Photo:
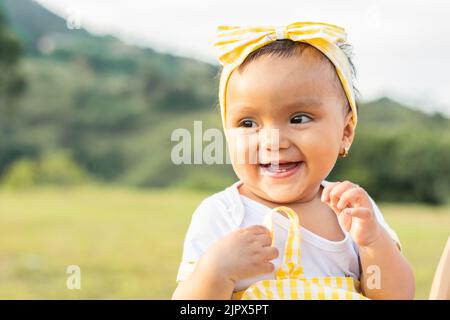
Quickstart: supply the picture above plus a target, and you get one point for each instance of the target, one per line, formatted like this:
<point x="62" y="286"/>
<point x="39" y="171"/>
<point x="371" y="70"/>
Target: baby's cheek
<point x="243" y="149"/>
<point x="243" y="155"/>
<point x="319" y="149"/>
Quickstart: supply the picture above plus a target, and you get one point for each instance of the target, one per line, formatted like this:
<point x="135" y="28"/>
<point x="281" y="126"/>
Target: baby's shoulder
<point x="219" y="201"/>
<point x="221" y="207"/>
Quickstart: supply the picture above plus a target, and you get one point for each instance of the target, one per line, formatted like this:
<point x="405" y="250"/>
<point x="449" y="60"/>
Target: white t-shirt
<point x="228" y="210"/>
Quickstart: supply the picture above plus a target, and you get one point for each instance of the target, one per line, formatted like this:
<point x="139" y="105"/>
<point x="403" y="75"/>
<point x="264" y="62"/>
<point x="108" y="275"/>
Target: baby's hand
<point x="243" y="253"/>
<point x="352" y="205"/>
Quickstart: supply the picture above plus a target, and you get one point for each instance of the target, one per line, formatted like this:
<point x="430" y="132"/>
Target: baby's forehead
<point x="302" y="52"/>
<point x="305" y="72"/>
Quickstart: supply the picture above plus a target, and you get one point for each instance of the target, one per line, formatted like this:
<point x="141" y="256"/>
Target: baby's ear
<point x="349" y="129"/>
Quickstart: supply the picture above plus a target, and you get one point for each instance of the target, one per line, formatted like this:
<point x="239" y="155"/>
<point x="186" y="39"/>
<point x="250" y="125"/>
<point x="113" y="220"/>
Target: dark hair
<point x="286" y="48"/>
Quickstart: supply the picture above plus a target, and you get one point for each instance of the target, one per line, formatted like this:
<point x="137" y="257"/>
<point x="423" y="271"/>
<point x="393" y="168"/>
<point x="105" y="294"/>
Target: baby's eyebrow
<point x="303" y="102"/>
<point x="309" y="102"/>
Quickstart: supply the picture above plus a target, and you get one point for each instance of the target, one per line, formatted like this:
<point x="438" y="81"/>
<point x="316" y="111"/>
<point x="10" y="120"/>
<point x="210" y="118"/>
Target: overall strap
<point x="290" y="265"/>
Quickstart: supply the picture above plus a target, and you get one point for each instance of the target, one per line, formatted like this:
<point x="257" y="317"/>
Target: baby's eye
<point x="300" y="118"/>
<point x="248" y="123"/>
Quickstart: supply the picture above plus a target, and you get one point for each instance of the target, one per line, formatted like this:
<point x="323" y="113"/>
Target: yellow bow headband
<point x="235" y="43"/>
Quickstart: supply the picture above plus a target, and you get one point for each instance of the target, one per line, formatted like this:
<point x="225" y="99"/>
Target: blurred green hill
<point x="96" y="105"/>
<point x="29" y="20"/>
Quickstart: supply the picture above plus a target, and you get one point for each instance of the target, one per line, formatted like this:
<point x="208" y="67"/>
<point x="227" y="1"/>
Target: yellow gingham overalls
<point x="290" y="282"/>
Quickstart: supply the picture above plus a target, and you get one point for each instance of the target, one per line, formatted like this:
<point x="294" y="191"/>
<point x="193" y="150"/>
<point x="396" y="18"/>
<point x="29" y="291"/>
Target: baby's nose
<point x="273" y="139"/>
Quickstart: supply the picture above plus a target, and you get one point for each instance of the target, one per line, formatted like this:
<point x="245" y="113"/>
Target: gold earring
<point x="345" y="154"/>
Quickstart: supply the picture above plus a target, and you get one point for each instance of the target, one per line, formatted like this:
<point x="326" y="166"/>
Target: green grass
<point x="128" y="243"/>
<point x="423" y="232"/>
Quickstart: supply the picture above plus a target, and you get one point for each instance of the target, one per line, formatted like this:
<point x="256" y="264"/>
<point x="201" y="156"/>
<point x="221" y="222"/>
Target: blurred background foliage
<point x="112" y="107"/>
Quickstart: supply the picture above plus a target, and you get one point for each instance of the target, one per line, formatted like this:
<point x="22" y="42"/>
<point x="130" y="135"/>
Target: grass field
<point x="128" y="243"/>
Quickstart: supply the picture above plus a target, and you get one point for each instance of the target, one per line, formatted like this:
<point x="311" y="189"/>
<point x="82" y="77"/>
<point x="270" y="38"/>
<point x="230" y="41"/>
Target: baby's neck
<point x="309" y="200"/>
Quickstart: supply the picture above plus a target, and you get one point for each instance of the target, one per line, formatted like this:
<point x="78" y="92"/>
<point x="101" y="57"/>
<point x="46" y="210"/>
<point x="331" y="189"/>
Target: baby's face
<point x="288" y="109"/>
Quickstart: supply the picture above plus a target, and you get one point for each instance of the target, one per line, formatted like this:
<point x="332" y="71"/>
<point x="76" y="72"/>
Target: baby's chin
<point x="282" y="194"/>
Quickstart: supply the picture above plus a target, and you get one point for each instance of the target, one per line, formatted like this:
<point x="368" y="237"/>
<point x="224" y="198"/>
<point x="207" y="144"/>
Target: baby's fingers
<point x="263" y="240"/>
<point x="270" y="253"/>
<point x="258" y="229"/>
<point x="350" y="198"/>
<point x="345" y="220"/>
<point x="268" y="267"/>
<point x="326" y="191"/>
<point x="338" y="190"/>
<point x="361" y="212"/>
<point x="355" y="197"/>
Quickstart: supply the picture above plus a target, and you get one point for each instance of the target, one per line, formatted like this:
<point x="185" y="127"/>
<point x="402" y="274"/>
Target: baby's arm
<point x="396" y="280"/>
<point x="241" y="254"/>
<point x="204" y="283"/>
<point x="380" y="257"/>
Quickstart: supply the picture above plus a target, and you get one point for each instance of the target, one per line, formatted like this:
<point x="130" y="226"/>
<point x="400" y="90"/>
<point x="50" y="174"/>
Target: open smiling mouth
<point x="280" y="170"/>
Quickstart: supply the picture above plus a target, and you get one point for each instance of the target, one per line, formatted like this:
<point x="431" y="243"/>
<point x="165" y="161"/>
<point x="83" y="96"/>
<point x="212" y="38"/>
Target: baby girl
<point x="287" y="93"/>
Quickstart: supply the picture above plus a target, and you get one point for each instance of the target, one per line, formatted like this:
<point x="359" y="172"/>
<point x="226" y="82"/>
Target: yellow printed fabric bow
<point x="235" y="43"/>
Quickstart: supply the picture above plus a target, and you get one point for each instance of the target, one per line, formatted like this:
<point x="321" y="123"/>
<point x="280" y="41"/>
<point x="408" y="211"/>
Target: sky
<point x="401" y="48"/>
